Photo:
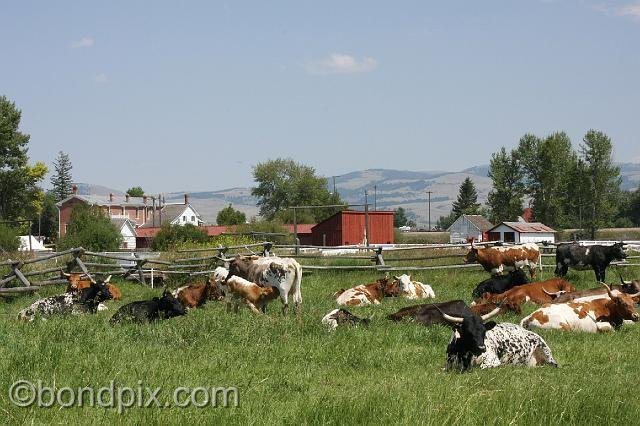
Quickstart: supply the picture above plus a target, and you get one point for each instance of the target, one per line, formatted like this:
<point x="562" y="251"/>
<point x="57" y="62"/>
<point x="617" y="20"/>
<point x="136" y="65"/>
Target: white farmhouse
<point x="522" y="232"/>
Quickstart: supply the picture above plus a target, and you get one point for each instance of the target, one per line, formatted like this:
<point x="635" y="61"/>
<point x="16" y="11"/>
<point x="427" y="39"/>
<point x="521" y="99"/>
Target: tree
<point x="634" y="208"/>
<point x="135" y="191"/>
<point x="230" y="216"/>
<point x="467" y="202"/>
<point x="47" y="223"/>
<point x="89" y="227"/>
<point x="602" y="178"/>
<point x="444" y="222"/>
<point x="20" y="198"/>
<point x="61" y="179"/>
<point x="400" y="218"/>
<point x="505" y="198"/>
<point x="283" y="183"/>
<point x="9" y="239"/>
<point x="170" y="236"/>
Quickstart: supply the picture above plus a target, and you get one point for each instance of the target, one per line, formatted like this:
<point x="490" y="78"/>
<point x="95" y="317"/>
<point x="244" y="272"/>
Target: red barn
<point x="347" y="227"/>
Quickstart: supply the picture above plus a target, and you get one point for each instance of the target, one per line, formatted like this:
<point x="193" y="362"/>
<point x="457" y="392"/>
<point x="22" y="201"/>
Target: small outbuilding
<point x="469" y="227"/>
<point x="522" y="232"/>
<point x="348" y="228"/>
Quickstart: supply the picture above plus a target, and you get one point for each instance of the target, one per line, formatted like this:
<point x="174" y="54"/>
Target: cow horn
<point x="108" y="279"/>
<point x="608" y="289"/>
<point x="635" y="295"/>
<point x="556" y="294"/>
<point x="455" y="320"/>
<point x="65" y="274"/>
<point x="622" y="279"/>
<point x="491" y="314"/>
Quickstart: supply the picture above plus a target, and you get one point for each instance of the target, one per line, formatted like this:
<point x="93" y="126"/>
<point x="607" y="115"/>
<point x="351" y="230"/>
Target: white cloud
<point x="340" y="63"/>
<point x="630" y="11"/>
<point x="83" y="42"/>
<point x="101" y="78"/>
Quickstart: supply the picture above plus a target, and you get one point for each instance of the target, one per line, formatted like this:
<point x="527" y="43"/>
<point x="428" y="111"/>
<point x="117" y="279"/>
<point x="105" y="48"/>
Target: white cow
<point x="414" y="289"/>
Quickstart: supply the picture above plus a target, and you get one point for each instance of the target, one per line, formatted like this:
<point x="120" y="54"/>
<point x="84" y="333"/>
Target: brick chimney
<point x="74" y="189"/>
<point x="186" y="199"/>
<point x="126" y="198"/>
<point x="111" y="197"/>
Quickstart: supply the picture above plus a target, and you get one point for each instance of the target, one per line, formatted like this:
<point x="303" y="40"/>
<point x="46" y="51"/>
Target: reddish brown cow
<point x="367" y="294"/>
<point x="76" y="282"/>
<point x="539" y="292"/>
<point x="497" y="260"/>
<point x="196" y="295"/>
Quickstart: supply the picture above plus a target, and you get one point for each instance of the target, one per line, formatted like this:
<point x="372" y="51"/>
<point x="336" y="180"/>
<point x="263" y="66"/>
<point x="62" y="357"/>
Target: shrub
<point x="9" y="238"/>
<point x="172" y="236"/>
<point x="89" y="227"/>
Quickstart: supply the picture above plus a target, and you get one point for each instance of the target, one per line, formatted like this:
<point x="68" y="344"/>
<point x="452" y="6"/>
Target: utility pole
<point x="334" y="185"/>
<point x="429" y="192"/>
<point x="366" y="219"/>
<point x="375" y="198"/>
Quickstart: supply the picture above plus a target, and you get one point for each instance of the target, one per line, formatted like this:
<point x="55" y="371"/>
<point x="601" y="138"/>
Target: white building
<point x="522" y="232"/>
<point x="469" y="227"/>
<point x="128" y="231"/>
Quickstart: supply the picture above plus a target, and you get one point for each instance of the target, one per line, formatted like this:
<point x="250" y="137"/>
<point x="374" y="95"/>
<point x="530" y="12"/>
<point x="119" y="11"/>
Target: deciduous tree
<point x="505" y="198"/>
<point x="230" y="216"/>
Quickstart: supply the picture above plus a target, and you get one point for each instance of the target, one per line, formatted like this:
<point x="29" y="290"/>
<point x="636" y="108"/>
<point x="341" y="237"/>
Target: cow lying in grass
<point x="143" y="311"/>
<point x="240" y="291"/>
<point x="81" y="301"/>
<point x="413" y="289"/>
<point x="77" y="282"/>
<point x="341" y="316"/>
<point x="368" y="294"/>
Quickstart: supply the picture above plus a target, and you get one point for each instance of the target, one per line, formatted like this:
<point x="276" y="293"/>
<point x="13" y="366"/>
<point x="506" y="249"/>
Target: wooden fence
<point x="147" y="267"/>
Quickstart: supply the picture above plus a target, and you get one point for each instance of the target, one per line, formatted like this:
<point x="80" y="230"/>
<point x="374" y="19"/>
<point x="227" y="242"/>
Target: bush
<point x="90" y="228"/>
<point x="9" y="238"/>
<point x="172" y="236"/>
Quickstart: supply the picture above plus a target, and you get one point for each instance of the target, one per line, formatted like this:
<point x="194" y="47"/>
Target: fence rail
<point x="139" y="266"/>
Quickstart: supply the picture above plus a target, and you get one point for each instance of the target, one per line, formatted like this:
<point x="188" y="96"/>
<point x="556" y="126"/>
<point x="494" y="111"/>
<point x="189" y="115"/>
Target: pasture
<point x="294" y="371"/>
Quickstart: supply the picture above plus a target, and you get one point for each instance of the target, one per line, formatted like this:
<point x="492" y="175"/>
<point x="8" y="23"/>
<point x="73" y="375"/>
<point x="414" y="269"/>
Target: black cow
<point x="597" y="257"/>
<point x="501" y="283"/>
<point x="163" y="307"/>
<point x="432" y="313"/>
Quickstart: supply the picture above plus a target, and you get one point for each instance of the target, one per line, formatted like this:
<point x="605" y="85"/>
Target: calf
<point x="85" y="300"/>
<point x="238" y="290"/>
<point x="413" y="289"/>
<point x="596" y="257"/>
<point x="367" y="294"/>
<point x="600" y="314"/>
<point x="501" y="283"/>
<point x="492" y="345"/>
<point x="497" y="260"/>
<point x="76" y="282"/>
<point x="143" y="311"/>
<point x="538" y="292"/>
<point x="194" y="295"/>
<point x="341" y="316"/>
<point x="283" y="273"/>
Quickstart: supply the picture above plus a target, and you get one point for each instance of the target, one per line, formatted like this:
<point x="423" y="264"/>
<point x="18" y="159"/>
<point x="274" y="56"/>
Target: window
<point x="184" y="218"/>
<point x="509" y="237"/>
<point x="193" y="218"/>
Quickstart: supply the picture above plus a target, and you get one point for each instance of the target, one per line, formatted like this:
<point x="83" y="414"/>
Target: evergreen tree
<point x="136" y="191"/>
<point x="400" y="218"/>
<point x="505" y="198"/>
<point x="467" y="202"/>
<point x="61" y="179"/>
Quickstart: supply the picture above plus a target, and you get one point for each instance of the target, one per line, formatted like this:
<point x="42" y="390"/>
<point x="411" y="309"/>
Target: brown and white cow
<point x="601" y="314"/>
<point x="78" y="281"/>
<point x="283" y="273"/>
<point x="368" y="294"/>
<point x="497" y="260"/>
<point x="240" y="291"/>
<point x="538" y="292"/>
<point x="413" y="289"/>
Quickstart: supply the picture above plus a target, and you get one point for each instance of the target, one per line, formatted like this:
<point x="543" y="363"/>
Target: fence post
<point x="266" y="252"/>
<point x="378" y="258"/>
<point x="76" y="257"/>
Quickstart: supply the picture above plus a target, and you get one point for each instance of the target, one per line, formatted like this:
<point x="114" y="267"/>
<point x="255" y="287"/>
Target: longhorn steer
<point x="501" y="283"/>
<point x="285" y="274"/>
<point x="432" y="313"/>
<point x="537" y="292"/>
<point x="368" y="294"/>
<point x="596" y="257"/>
<point x="496" y="260"/>
<point x="492" y="345"/>
<point x="77" y="282"/>
<point x="85" y="300"/>
<point x="600" y="314"/>
<point x="142" y="311"/>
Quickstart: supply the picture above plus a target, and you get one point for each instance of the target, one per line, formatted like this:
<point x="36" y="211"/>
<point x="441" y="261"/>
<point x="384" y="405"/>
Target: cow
<point x="432" y="313"/>
<point x="501" y="283"/>
<point x="238" y="290"/>
<point x="537" y="292"/>
<point x="628" y="287"/>
<point x="283" y="273"/>
<point x="596" y="315"/>
<point x="596" y="257"/>
<point x="77" y="302"/>
<point x="368" y="294"/>
<point x="497" y="260"/>
<point x="77" y="282"/>
<point x="492" y="345"/>
<point x="195" y="295"/>
<point x="163" y="307"/>
<point x="413" y="289"/>
<point x="341" y="316"/>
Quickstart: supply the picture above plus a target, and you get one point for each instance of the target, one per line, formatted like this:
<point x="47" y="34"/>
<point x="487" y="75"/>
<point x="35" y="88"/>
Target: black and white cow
<point x="81" y="301"/>
<point x="501" y="283"/>
<point x="341" y="316"/>
<point x="163" y="307"/>
<point x="596" y="257"/>
<point x="491" y="345"/>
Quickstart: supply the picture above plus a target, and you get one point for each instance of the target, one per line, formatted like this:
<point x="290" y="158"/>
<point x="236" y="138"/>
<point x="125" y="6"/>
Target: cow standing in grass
<point x="596" y="257"/>
<point x="497" y="260"/>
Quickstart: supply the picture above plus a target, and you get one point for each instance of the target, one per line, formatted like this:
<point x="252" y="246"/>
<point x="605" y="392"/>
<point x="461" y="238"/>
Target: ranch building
<point x="348" y="228"/>
<point x="522" y="232"/>
<point x="469" y="227"/>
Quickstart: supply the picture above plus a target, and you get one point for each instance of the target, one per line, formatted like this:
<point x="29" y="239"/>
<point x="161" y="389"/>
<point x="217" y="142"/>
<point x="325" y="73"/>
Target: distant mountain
<point x="386" y="190"/>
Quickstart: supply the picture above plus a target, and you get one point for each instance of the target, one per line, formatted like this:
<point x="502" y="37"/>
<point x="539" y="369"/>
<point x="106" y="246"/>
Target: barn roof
<point x="526" y="227"/>
<point x="168" y="214"/>
<point x="479" y="221"/>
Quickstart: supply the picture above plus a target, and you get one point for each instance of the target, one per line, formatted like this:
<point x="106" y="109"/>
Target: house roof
<point x="479" y="221"/>
<point x="119" y="222"/>
<point x="168" y="214"/>
<point x="526" y="227"/>
<point x="104" y="200"/>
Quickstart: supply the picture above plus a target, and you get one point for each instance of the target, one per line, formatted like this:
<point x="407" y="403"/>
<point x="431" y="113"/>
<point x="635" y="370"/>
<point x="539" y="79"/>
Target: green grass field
<point x="294" y="371"/>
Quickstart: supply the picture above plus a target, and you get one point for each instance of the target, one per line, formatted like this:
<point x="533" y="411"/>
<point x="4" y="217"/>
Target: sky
<point x="189" y="96"/>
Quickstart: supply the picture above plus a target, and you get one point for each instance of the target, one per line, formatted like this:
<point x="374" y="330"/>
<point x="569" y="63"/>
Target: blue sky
<point x="188" y="96"/>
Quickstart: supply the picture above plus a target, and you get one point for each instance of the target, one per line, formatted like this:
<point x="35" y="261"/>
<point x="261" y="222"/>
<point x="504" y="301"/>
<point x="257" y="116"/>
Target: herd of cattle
<point x="254" y="281"/>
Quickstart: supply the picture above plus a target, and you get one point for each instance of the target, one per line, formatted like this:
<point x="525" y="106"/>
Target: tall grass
<point x="294" y="371"/>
